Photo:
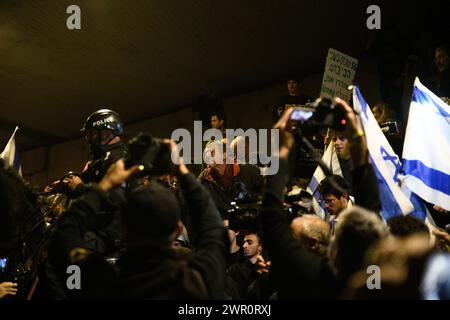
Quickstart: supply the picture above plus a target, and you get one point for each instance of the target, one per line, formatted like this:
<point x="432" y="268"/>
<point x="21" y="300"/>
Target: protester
<point x="227" y="180"/>
<point x="170" y="236"/>
<point x="297" y="272"/>
<point x="218" y="122"/>
<point x="336" y="196"/>
<point x="313" y="232"/>
<point x="405" y="226"/>
<point x="149" y="269"/>
<point x="247" y="280"/>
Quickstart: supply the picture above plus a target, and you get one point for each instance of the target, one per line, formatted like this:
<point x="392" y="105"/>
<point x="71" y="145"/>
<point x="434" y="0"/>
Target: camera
<point x="320" y="114"/>
<point x="389" y="128"/>
<point x="151" y="154"/>
<point x="244" y="215"/>
<point x="300" y="201"/>
<point x="60" y="186"/>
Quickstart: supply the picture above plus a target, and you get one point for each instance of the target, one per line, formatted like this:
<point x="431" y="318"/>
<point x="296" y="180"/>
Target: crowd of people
<point x="225" y="233"/>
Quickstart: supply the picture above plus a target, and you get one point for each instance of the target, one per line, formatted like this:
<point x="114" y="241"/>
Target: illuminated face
<point x="441" y="59"/>
<point x="210" y="157"/>
<point x="335" y="205"/>
<point x="252" y="246"/>
<point x="292" y="86"/>
<point x="377" y="113"/>
<point x="216" y="123"/>
<point x="341" y="144"/>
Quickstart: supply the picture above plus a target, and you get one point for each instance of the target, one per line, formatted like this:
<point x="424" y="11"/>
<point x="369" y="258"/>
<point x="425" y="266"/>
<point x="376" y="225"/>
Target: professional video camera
<point x="310" y="120"/>
<point x="322" y="113"/>
<point x="151" y="154"/>
<point x="300" y="201"/>
<point x="244" y="214"/>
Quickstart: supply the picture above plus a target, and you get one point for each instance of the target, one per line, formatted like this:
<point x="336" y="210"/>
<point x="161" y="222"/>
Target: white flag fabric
<point x="385" y="162"/>
<point x="420" y="209"/>
<point x="10" y="154"/>
<point x="426" y="151"/>
<point x="331" y="160"/>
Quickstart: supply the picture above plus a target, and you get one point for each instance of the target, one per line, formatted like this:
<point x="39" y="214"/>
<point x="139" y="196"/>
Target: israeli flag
<point x="10" y="154"/>
<point x="331" y="160"/>
<point x="385" y="162"/>
<point x="420" y="210"/>
<point x="426" y="151"/>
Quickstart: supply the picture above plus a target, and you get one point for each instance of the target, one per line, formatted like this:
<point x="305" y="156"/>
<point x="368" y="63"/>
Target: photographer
<point x="150" y="269"/>
<point x="297" y="272"/>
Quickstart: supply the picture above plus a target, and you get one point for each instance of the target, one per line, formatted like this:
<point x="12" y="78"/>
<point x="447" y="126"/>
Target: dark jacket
<point x="148" y="272"/>
<point x="244" y="282"/>
<point x="105" y="236"/>
<point x="246" y="183"/>
<point x="299" y="274"/>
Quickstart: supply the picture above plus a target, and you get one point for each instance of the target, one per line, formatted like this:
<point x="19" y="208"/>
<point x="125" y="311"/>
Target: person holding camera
<point x="298" y="272"/>
<point x="301" y="164"/>
<point x="103" y="131"/>
<point x="150" y="268"/>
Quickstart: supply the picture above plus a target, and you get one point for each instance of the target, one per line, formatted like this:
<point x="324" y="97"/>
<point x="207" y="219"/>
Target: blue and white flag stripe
<point x="420" y="210"/>
<point x="10" y="154"/>
<point x="426" y="151"/>
<point x="331" y="160"/>
<point x="385" y="162"/>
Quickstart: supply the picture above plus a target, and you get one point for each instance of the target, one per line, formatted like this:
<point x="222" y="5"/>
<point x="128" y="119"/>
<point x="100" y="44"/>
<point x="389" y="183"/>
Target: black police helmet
<point x="104" y="119"/>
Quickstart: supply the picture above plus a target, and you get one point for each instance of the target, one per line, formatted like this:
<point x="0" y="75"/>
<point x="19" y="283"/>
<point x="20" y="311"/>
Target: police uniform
<point x="106" y="237"/>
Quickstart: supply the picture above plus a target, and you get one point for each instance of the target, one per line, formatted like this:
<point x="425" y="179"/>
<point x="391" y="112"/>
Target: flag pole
<point x="14" y="133"/>
<point x="10" y="139"/>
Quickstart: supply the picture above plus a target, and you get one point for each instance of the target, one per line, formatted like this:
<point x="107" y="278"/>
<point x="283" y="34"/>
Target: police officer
<point x="103" y="130"/>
